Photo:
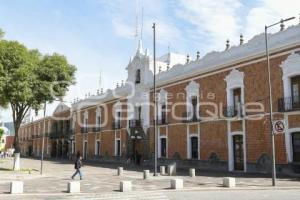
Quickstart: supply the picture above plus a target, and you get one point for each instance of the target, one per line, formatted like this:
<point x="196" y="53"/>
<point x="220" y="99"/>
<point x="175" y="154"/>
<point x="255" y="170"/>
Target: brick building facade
<point x="212" y="112"/>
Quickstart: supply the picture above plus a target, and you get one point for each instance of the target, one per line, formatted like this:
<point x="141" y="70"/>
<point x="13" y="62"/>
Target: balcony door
<point x="237" y="101"/>
<point x="194" y="105"/>
<point x="295" y="81"/>
<point x="163" y="113"/>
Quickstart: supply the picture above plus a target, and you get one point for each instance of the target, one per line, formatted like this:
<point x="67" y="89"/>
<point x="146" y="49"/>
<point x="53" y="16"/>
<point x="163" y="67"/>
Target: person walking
<point x="77" y="166"/>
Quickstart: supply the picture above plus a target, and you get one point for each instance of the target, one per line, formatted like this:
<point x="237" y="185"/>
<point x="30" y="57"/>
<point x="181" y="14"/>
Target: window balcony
<point x="134" y="123"/>
<point x="96" y="129"/>
<point x="84" y="130"/>
<point x="289" y="104"/>
<point x="190" y="117"/>
<point x="71" y="132"/>
<point x="54" y="135"/>
<point x="233" y="111"/>
<point x="162" y="121"/>
<point x="116" y="125"/>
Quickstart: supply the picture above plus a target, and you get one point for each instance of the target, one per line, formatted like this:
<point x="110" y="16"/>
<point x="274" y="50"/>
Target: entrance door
<point x="118" y="148"/>
<point x="85" y="150"/>
<point x="238" y="152"/>
<point x="296" y="146"/>
<point x="163" y="147"/>
<point x="194" y="147"/>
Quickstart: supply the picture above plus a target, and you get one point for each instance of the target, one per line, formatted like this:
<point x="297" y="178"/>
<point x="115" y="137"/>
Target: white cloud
<point x="122" y="29"/>
<point x="269" y="12"/>
<point x="123" y="16"/>
<point x="213" y="20"/>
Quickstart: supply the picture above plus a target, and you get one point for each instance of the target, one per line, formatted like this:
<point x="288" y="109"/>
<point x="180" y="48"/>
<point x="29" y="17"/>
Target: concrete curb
<point x="208" y="189"/>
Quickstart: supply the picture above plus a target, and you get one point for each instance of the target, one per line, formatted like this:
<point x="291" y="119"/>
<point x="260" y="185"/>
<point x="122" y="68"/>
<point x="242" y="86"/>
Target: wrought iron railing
<point x="116" y="125"/>
<point x="233" y="111"/>
<point x="288" y="104"/>
<point x="84" y="130"/>
<point x="96" y="129"/>
<point x="162" y="121"/>
<point x="190" y="117"/>
<point x="135" y="123"/>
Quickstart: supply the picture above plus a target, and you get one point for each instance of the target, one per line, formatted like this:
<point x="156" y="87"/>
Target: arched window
<point x="138" y="76"/>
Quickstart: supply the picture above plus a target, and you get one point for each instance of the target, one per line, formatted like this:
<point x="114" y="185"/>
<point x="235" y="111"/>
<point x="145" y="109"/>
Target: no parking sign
<point x="278" y="126"/>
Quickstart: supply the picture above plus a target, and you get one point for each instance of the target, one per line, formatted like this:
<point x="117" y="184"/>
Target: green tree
<point x="1" y="133"/>
<point x="1" y="34"/>
<point x="28" y="79"/>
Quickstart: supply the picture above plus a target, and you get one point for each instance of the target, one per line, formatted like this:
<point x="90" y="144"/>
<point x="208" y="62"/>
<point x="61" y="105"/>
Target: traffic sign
<point x="278" y="126"/>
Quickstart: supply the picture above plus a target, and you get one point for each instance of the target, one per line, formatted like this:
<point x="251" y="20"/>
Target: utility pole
<point x="155" y="103"/>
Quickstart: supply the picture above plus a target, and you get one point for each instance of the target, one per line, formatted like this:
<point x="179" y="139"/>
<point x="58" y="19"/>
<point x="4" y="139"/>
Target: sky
<point x="99" y="36"/>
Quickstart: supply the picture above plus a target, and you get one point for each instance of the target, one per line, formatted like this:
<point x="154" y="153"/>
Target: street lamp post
<point x="155" y="103"/>
<point x="270" y="99"/>
<point x="43" y="138"/>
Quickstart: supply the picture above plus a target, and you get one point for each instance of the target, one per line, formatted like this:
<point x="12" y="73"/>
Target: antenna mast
<point x="142" y="22"/>
<point x="136" y="35"/>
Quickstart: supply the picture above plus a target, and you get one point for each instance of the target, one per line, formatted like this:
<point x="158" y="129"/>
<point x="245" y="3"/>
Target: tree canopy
<point x="28" y="79"/>
<point x="1" y="33"/>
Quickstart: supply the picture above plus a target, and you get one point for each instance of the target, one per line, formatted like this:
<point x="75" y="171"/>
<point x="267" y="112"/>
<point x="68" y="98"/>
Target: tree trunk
<point x="16" y="139"/>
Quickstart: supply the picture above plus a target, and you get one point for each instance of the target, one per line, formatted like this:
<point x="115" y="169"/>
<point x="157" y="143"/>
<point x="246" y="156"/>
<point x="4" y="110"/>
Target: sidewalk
<point x="105" y="180"/>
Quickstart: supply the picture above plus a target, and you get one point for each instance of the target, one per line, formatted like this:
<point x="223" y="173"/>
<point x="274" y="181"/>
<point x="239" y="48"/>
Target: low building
<point x="212" y="112"/>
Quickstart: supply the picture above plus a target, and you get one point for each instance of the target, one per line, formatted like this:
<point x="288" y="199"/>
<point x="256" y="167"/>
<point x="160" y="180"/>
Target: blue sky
<point x="98" y="35"/>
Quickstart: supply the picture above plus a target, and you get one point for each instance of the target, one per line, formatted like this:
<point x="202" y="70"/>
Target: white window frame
<point x="235" y="80"/>
<point x="192" y="89"/>
<point x="159" y="146"/>
<point x="290" y="68"/>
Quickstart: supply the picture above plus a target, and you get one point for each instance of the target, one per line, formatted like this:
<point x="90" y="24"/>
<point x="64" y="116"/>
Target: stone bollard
<point x="125" y="186"/>
<point x="16" y="187"/>
<point x="229" y="182"/>
<point x="172" y="170"/>
<point x="16" y="166"/>
<point x="162" y="170"/>
<point x="176" y="184"/>
<point x="73" y="187"/>
<point x="146" y="174"/>
<point x="192" y="172"/>
<point x="120" y="171"/>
